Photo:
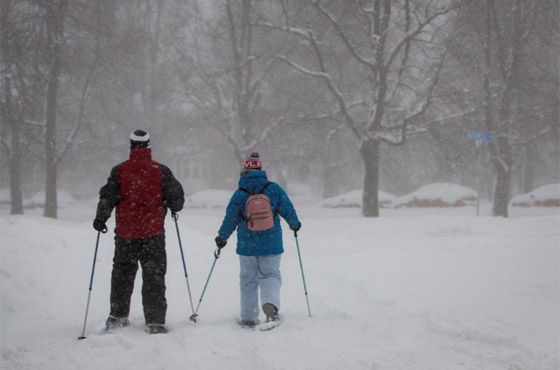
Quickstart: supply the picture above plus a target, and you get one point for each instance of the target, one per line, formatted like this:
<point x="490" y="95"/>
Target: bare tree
<point x="55" y="11"/>
<point x="225" y="76"/>
<point x="396" y="58"/>
<point x="8" y="107"/>
<point x="536" y="105"/>
<point x="22" y="92"/>
<point x="43" y="112"/>
<point x="56" y="15"/>
<point x="502" y="35"/>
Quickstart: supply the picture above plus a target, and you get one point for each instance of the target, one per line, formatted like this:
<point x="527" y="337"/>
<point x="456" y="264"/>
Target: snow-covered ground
<point x="414" y="289"/>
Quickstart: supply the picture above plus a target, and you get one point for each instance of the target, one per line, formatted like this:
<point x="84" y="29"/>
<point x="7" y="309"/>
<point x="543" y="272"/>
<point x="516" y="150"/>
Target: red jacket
<point x="141" y="190"/>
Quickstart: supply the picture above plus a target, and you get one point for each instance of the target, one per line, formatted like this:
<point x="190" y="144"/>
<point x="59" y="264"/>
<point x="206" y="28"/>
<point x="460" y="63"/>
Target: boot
<point x="249" y="324"/>
<point x="116" y="322"/>
<point x="157" y="329"/>
<point x="270" y="311"/>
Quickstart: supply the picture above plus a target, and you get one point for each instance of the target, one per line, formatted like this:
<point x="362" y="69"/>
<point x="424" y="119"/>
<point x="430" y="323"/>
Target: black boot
<point x="249" y="324"/>
<point x="157" y="329"/>
<point x="270" y="311"/>
<point x="116" y="322"/>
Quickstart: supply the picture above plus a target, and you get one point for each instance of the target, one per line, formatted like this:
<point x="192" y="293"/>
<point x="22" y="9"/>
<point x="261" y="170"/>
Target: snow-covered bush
<point x="437" y="195"/>
<point x="353" y="199"/>
<point x="545" y="196"/>
<point x="4" y="196"/>
<point x="211" y="198"/>
<point x="295" y="189"/>
<point x="63" y="200"/>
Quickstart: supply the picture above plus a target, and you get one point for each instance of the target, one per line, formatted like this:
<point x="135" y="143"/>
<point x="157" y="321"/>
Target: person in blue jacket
<point x="259" y="251"/>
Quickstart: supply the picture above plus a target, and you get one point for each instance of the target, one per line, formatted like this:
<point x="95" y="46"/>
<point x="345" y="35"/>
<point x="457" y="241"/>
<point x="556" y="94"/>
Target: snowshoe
<point x="271" y="324"/>
<point x="157" y="329"/>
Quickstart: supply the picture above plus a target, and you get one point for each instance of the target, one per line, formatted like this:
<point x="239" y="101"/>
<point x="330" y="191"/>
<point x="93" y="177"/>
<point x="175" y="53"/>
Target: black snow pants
<point x="150" y="251"/>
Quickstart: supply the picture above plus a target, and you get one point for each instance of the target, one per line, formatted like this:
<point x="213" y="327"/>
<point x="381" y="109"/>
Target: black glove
<point x="99" y="226"/>
<point x="220" y="243"/>
<point x="296" y="229"/>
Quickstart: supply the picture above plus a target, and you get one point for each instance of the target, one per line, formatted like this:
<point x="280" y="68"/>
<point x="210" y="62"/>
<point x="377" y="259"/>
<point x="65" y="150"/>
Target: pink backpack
<point x="259" y="211"/>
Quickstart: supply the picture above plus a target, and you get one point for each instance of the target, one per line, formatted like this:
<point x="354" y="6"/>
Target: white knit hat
<point x="139" y="138"/>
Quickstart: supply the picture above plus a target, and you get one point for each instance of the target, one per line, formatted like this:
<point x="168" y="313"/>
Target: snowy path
<point x="405" y="291"/>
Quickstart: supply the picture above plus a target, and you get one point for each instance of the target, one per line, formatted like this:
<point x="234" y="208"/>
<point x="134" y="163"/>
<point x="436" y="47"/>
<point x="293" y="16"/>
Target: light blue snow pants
<point x="259" y="272"/>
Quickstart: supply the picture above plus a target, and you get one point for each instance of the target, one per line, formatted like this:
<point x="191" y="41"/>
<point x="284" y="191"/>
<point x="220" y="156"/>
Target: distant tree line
<point x="318" y="84"/>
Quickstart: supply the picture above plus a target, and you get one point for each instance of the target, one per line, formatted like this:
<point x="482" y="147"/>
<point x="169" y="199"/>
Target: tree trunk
<point x="370" y="197"/>
<point x="16" y="197"/>
<point x="501" y="192"/>
<point x="50" y="145"/>
<point x="502" y="161"/>
<point x="330" y="178"/>
<point x="331" y="172"/>
<point x="8" y="114"/>
<point x="241" y="52"/>
<point x="55" y="28"/>
<point x="527" y="180"/>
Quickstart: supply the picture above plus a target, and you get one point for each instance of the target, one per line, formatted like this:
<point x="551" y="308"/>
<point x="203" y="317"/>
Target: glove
<point x="99" y="226"/>
<point x="220" y="243"/>
<point x="296" y="229"/>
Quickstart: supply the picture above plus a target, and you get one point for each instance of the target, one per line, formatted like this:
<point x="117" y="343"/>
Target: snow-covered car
<point x="437" y="195"/>
<point x="353" y="199"/>
<point x="545" y="196"/>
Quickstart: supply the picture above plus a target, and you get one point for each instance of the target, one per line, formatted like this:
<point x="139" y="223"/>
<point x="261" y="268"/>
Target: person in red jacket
<point x="141" y="190"/>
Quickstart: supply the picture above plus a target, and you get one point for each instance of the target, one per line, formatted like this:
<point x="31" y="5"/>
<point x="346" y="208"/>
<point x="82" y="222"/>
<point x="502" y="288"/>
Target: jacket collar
<point x="138" y="154"/>
<point x="253" y="180"/>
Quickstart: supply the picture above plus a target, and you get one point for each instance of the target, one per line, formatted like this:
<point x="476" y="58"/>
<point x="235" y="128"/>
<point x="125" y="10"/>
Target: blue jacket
<point x="258" y="243"/>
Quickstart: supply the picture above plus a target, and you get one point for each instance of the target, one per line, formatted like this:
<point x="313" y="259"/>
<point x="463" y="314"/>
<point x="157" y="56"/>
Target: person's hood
<point x="253" y="181"/>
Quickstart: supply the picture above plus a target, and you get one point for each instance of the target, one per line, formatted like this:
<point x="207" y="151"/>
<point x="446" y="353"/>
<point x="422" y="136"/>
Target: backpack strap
<point x="264" y="187"/>
<point x="260" y="192"/>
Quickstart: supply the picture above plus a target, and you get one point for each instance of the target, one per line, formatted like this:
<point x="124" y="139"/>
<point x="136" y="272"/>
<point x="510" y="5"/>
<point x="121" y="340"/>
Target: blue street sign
<point x="481" y="136"/>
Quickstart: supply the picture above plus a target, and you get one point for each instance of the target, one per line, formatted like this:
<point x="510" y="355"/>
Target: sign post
<point x="479" y="138"/>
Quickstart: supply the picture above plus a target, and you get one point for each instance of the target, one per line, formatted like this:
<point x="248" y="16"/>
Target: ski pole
<point x="216" y="256"/>
<point x="302" y="274"/>
<point x="175" y="218"/>
<point x="83" y="336"/>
